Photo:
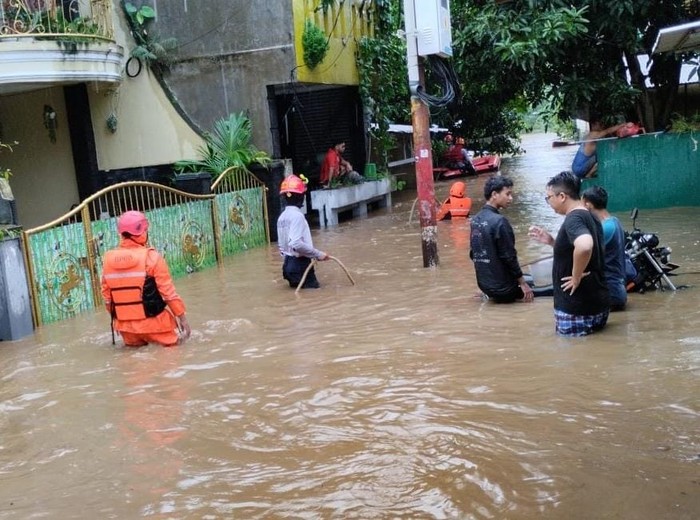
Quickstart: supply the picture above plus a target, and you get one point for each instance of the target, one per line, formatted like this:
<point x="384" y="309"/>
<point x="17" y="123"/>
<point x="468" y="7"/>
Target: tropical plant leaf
<point x="228" y="145"/>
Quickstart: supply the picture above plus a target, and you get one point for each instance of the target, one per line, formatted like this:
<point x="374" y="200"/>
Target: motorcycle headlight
<point x="651" y="240"/>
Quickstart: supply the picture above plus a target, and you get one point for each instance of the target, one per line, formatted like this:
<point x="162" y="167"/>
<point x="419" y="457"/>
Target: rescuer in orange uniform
<point x="457" y="157"/>
<point x="458" y="205"/>
<point x="137" y="288"/>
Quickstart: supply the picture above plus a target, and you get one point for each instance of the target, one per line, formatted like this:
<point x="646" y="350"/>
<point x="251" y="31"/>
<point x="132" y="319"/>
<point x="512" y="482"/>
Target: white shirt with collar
<point x="294" y="235"/>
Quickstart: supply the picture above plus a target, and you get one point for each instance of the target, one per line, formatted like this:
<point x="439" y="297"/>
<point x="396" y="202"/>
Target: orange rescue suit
<point x="457" y="205"/>
<point x="123" y="276"/>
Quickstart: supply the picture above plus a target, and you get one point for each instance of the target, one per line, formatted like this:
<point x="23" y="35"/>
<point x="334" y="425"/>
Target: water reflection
<point x="148" y="433"/>
<point x="400" y="397"/>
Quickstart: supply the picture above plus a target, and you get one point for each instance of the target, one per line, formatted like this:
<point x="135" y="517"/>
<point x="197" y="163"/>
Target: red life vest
<point x="124" y="273"/>
<point x="454" y="154"/>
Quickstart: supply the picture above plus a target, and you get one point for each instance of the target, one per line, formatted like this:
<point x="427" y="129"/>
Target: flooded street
<point x="400" y="397"/>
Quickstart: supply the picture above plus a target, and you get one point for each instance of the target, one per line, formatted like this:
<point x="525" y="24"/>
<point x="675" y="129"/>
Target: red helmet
<point x="133" y="222"/>
<point x="293" y="184"/>
<point x="458" y="189"/>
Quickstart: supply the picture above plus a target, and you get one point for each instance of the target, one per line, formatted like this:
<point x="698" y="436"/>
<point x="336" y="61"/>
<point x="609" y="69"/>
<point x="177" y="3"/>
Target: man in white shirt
<point x="294" y="236"/>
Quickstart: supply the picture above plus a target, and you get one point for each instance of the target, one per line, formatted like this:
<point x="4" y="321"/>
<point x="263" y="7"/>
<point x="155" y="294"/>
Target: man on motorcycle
<point x="596" y="200"/>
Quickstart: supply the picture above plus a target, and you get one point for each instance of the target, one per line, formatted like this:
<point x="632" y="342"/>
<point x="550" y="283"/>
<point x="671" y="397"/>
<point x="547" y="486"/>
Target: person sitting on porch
<point x="335" y="167"/>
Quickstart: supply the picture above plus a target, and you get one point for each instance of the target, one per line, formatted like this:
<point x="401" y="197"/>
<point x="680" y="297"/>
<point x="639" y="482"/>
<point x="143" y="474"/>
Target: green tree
<point x="575" y="55"/>
<point x="381" y="63"/>
<point x="576" y="58"/>
<point x="497" y="51"/>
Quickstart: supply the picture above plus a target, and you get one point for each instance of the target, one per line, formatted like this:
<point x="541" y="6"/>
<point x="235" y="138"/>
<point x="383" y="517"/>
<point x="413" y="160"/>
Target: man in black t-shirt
<point x="581" y="300"/>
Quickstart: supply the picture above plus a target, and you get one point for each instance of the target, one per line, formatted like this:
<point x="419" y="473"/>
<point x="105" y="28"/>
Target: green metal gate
<point x="193" y="232"/>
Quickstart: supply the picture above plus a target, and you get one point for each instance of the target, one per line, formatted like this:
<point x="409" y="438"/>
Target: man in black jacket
<point x="498" y="271"/>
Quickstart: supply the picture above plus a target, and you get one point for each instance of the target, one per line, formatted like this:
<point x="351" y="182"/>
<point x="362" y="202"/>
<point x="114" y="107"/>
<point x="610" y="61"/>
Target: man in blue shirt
<point x="585" y="163"/>
<point x="596" y="200"/>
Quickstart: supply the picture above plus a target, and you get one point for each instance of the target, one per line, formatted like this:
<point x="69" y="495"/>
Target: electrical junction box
<point x="433" y="27"/>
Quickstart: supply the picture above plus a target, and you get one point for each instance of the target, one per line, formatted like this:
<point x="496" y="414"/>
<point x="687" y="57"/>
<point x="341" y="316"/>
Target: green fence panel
<point x="184" y="235"/>
<point x="62" y="274"/>
<point x="241" y="220"/>
<point x="181" y="229"/>
<point x="649" y="171"/>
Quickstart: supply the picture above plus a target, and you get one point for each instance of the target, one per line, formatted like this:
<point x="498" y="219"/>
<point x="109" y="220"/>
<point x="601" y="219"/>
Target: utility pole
<point x="422" y="148"/>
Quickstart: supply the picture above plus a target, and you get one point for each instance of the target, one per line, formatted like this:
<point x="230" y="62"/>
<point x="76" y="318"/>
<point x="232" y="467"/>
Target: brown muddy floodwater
<point x="400" y="397"/>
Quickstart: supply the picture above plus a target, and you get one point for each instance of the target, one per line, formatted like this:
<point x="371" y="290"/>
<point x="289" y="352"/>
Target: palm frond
<point x="228" y="145"/>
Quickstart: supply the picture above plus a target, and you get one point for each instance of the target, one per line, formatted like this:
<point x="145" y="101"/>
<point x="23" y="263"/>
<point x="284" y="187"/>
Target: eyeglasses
<point x="547" y="197"/>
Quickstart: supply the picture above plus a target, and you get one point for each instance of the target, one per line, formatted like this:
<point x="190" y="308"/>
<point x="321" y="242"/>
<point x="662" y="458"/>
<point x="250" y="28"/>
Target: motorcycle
<point x="651" y="261"/>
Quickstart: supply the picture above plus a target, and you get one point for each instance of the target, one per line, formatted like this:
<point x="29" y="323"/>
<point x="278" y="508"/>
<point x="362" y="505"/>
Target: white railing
<point x="56" y="19"/>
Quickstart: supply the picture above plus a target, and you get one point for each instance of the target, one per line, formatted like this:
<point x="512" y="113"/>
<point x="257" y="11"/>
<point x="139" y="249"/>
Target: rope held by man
<point x="313" y="263"/>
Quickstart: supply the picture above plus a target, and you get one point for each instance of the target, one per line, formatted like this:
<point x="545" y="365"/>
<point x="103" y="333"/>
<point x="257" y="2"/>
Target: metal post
<point x="422" y="149"/>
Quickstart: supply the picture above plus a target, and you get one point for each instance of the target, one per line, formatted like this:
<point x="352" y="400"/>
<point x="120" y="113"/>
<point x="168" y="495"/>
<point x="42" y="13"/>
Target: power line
<point x="445" y="74"/>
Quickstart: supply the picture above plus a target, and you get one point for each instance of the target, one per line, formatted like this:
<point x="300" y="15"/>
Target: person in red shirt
<point x="335" y="167"/>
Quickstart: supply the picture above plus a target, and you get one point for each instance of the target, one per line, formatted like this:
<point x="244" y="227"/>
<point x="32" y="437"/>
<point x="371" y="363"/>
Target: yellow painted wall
<point x="43" y="177"/>
<point x="150" y="131"/>
<point x="346" y="24"/>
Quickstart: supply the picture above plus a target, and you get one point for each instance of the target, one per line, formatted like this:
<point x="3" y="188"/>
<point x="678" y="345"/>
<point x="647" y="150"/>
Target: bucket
<point x="370" y="171"/>
<point x="541" y="272"/>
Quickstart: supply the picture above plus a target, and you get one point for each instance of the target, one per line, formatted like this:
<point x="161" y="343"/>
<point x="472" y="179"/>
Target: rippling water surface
<point x="400" y="397"/>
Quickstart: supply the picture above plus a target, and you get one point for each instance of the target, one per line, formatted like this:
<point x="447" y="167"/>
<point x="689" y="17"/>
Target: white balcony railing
<point x="79" y="20"/>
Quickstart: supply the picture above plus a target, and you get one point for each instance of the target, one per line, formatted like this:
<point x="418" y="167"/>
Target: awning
<point x="679" y="38"/>
<point x="408" y="129"/>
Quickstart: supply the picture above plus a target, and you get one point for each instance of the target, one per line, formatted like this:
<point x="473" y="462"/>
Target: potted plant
<point x="315" y="44"/>
<point x="228" y="145"/>
<point x="150" y="48"/>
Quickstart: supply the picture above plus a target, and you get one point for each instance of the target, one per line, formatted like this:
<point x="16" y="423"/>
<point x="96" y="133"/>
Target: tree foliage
<point x="381" y="63"/>
<point x="315" y="44"/>
<point x="576" y="58"/>
<point x="579" y="56"/>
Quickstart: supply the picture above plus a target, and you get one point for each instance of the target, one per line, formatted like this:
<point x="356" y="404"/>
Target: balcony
<point x="45" y="43"/>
